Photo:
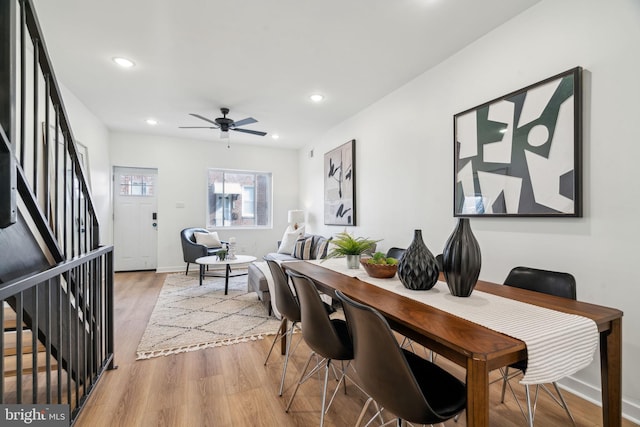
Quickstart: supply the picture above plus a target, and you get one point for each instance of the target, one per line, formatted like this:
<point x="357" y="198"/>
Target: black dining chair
<point x="401" y="382"/>
<point x="395" y="253"/>
<point x="548" y="282"/>
<point x="287" y="305"/>
<point x="328" y="338"/>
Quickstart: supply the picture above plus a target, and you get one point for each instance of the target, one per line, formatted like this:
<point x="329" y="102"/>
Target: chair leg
<point x="505" y="378"/>
<point x="506" y="383"/>
<point x="300" y="381"/>
<point x="289" y="337"/>
<point x="529" y="407"/>
<point x="275" y="339"/>
<point x="564" y="403"/>
<point x="343" y="378"/>
<point x="324" y="391"/>
<point x="186" y="273"/>
<point x="363" y="411"/>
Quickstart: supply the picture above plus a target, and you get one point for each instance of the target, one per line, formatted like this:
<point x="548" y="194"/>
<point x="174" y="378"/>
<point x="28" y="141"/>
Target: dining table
<point x="474" y="347"/>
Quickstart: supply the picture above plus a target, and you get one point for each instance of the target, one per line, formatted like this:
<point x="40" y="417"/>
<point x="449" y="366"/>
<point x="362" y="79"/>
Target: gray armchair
<point x="191" y="250"/>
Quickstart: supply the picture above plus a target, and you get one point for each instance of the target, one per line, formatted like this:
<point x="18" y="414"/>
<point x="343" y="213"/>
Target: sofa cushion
<point x="320" y="247"/>
<point x="289" y="240"/>
<point x="279" y="257"/>
<point x="303" y="248"/>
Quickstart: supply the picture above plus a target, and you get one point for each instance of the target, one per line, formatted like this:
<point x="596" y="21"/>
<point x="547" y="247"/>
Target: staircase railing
<point x="63" y="290"/>
<point x="46" y="148"/>
<point x="77" y="301"/>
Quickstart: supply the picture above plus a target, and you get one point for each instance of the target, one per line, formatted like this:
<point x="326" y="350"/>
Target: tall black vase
<point x="461" y="260"/>
<point x="418" y="269"/>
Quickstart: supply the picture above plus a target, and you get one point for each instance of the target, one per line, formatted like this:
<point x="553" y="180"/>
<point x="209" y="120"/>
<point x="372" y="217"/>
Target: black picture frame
<point x="521" y="154"/>
<point x="340" y="185"/>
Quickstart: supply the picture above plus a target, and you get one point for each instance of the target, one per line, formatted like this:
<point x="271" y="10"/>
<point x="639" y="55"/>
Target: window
<point x="136" y="185"/>
<point x="248" y="201"/>
<point x="238" y="198"/>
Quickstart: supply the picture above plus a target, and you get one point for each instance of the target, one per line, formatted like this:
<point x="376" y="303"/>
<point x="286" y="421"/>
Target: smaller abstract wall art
<point x="520" y="154"/>
<point x="339" y="185"/>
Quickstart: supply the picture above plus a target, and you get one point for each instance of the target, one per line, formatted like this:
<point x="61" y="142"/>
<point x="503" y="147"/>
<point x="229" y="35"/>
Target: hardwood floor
<point x="227" y="386"/>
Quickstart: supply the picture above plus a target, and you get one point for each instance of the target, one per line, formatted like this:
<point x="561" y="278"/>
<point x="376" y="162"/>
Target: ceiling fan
<point x="226" y="124"/>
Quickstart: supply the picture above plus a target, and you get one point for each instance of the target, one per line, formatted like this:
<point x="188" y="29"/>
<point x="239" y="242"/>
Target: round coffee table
<point x="215" y="261"/>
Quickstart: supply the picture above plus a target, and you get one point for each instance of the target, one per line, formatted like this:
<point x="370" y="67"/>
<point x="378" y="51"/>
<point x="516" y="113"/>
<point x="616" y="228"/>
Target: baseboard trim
<point x="182" y="268"/>
<point x="630" y="411"/>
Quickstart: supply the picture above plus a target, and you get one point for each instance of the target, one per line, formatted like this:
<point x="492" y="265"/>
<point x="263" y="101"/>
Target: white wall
<point x="182" y="167"/>
<point x="404" y="160"/>
<point x="90" y="131"/>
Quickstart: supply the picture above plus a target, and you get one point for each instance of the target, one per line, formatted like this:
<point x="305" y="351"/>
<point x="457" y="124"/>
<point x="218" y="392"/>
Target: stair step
<point x="10" y="364"/>
<point x="10" y="338"/>
<point x="9" y="317"/>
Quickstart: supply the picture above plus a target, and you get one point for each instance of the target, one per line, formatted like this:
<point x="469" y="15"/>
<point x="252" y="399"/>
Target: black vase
<point x="418" y="269"/>
<point x="461" y="260"/>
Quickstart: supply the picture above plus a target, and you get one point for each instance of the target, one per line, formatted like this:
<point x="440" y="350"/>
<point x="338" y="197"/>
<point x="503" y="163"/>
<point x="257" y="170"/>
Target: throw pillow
<point x="302" y="249"/>
<point x="322" y="246"/>
<point x="210" y="240"/>
<point x="289" y="240"/>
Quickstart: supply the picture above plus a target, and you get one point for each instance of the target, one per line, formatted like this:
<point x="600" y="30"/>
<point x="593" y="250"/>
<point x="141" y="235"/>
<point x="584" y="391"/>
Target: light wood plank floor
<point x="227" y="386"/>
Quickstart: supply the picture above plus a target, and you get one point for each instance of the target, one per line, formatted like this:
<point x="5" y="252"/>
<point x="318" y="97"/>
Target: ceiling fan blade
<point x="253" y="132"/>
<point x="197" y="127"/>
<point x="203" y="118"/>
<point x="246" y="121"/>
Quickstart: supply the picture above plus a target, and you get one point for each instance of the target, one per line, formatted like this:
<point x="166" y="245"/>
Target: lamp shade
<point x="295" y="216"/>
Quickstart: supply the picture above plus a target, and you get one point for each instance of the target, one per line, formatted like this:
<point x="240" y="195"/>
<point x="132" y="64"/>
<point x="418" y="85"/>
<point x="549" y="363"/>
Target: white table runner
<point x="558" y="344"/>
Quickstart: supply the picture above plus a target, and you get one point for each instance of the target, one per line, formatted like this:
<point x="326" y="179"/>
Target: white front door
<point x="135" y="218"/>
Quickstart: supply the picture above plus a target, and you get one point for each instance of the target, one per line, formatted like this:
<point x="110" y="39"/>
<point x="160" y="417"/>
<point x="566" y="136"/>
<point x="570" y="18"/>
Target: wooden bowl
<point x="379" y="271"/>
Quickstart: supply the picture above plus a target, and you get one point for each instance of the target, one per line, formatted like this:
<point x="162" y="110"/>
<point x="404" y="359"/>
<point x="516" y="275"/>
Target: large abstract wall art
<point x="520" y="155"/>
<point x="339" y="185"/>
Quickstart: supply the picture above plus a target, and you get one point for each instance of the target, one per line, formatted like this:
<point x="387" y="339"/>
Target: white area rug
<point x="189" y="317"/>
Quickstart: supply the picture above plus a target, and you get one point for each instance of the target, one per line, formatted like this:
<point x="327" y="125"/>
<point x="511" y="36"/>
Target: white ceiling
<point x="260" y="58"/>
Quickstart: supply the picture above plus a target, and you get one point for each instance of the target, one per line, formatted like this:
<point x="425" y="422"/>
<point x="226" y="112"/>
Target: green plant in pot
<point x="222" y="254"/>
<point x="344" y="244"/>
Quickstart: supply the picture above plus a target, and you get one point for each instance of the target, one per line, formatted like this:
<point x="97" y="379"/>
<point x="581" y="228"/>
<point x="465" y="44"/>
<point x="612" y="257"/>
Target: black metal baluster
<point x="59" y="340"/>
<point x="23" y="85"/>
<point x="109" y="309"/>
<point x="47" y="339"/>
<point x="19" y="320"/>
<point x="45" y="152"/>
<point x="2" y="358"/>
<point x="65" y="213"/>
<point x="56" y="191"/>
<point x="86" y="327"/>
<point x="76" y="321"/>
<point x="36" y="61"/>
<point x="97" y="309"/>
<point x="35" y="318"/>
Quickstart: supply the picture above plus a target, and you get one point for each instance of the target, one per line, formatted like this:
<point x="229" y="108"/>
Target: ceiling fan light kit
<point x="226" y="124"/>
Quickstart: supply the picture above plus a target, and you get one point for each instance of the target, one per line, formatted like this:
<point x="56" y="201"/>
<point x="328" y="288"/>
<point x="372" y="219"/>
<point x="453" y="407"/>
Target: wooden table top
<point x="453" y="337"/>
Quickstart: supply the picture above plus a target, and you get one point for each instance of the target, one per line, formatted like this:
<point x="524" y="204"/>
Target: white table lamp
<point x="295" y="217"/>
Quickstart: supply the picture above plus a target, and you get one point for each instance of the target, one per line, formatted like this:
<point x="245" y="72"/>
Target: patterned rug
<point x="188" y="317"/>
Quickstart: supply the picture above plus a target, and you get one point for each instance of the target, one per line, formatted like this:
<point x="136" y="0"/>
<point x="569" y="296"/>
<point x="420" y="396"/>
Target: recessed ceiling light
<point x="316" y="97"/>
<point x="275" y="136"/>
<point x="152" y="122"/>
<point x="123" y="62"/>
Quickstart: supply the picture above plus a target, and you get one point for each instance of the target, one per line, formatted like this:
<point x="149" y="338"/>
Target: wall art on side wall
<point x="520" y="154"/>
<point x="340" y="185"/>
